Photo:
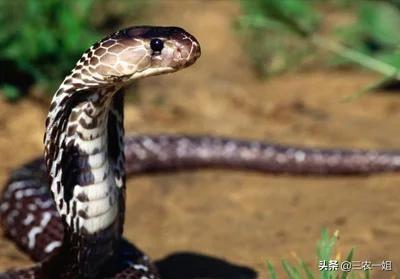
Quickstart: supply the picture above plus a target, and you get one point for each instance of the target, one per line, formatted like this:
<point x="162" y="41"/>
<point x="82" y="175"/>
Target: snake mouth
<point x="152" y="72"/>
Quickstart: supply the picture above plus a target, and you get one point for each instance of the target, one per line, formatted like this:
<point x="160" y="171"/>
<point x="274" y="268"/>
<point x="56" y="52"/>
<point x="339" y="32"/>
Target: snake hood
<point x="116" y="60"/>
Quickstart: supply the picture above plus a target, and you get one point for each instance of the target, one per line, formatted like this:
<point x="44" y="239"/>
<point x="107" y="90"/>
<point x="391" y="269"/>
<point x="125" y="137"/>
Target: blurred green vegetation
<point x="42" y="40"/>
<point x="280" y="34"/>
<point x="325" y="253"/>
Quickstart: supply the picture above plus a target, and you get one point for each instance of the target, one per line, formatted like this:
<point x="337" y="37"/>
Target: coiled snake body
<point x="67" y="211"/>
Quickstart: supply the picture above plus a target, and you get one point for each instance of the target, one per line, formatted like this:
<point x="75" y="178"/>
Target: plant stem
<point x="356" y="56"/>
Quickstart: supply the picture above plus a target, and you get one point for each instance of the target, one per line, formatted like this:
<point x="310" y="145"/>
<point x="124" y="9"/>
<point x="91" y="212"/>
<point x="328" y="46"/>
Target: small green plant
<point x="274" y="32"/>
<point x="325" y="253"/>
<point x="42" y="40"/>
<point x="279" y="34"/>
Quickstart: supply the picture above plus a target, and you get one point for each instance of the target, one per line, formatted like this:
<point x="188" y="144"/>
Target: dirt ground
<point x="243" y="217"/>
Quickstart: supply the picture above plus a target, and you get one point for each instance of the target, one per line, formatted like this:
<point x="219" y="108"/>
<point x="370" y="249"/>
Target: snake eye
<point x="156" y="45"/>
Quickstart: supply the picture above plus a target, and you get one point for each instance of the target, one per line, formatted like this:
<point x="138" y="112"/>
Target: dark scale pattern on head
<point x="148" y="32"/>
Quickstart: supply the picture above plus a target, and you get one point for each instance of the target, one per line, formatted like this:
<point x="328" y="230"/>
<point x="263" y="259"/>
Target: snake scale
<point x="67" y="210"/>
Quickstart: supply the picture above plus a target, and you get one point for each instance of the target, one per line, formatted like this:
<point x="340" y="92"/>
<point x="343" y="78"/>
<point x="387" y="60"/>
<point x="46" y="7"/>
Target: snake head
<point x="142" y="51"/>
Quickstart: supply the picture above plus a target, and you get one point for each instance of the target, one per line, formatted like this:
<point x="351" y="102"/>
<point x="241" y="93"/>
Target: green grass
<point x="325" y="252"/>
<point x="41" y="40"/>
<point x="279" y="35"/>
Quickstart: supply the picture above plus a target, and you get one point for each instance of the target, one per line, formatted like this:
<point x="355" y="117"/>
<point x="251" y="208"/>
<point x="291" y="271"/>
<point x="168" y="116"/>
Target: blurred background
<point x="306" y="72"/>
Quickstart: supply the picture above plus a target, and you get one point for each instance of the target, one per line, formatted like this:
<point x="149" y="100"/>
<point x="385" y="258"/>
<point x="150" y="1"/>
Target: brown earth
<point x="242" y="217"/>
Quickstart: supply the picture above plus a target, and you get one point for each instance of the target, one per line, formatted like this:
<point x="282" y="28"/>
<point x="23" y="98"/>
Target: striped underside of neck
<point x="84" y="154"/>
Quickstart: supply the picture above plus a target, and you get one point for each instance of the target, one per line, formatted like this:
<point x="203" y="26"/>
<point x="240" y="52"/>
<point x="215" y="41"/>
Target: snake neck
<point x="85" y="161"/>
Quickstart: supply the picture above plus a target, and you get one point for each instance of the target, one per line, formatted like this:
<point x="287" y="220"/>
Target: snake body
<point x="67" y="210"/>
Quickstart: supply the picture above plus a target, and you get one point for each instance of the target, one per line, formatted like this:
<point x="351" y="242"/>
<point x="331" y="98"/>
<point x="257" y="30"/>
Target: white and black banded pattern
<point x="28" y="213"/>
<point x="146" y="153"/>
<point x="87" y="176"/>
<point x="26" y="202"/>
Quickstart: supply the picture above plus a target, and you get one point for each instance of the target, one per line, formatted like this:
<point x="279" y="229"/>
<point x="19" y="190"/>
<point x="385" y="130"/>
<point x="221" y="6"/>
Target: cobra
<point x="67" y="211"/>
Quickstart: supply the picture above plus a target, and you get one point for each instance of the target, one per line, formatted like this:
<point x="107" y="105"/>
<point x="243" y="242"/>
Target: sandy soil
<point x="244" y="218"/>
